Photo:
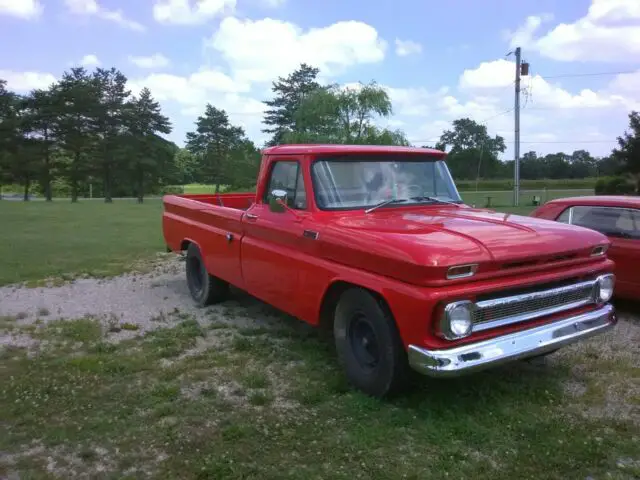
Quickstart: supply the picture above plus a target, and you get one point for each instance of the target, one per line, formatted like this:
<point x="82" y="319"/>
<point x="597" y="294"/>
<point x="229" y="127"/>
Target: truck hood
<point x="414" y="239"/>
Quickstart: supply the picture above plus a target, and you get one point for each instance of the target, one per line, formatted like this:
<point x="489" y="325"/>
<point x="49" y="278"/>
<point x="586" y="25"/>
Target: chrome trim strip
<point x="530" y="315"/>
<point x="527" y="343"/>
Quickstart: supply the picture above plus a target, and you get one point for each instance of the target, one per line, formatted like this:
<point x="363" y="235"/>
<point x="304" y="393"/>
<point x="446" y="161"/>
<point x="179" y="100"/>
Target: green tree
<point x="472" y="153"/>
<point x="628" y="150"/>
<point x="22" y="159"/>
<point x="144" y="119"/>
<point x="245" y="158"/>
<point x="75" y="126"/>
<point x="345" y="116"/>
<point x="186" y="165"/>
<point x="109" y="120"/>
<point x="41" y="115"/>
<point x="9" y="133"/>
<point x="289" y="94"/>
<point x="213" y="143"/>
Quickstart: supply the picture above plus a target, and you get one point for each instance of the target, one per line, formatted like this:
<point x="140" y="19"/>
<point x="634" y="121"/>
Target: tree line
<point x="87" y="131"/>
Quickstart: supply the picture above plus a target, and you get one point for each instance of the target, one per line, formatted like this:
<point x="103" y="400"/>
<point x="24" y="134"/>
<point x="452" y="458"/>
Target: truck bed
<point x="238" y="201"/>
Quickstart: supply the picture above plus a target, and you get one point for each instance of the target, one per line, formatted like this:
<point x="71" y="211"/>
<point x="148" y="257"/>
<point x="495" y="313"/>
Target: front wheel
<point x="205" y="289"/>
<point x="368" y="345"/>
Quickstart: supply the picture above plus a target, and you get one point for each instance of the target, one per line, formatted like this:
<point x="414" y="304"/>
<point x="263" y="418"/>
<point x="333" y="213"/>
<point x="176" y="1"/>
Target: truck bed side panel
<point x="216" y="230"/>
<point x="240" y="201"/>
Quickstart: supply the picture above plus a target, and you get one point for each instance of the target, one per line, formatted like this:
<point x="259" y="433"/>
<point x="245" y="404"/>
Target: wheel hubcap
<point x="364" y="343"/>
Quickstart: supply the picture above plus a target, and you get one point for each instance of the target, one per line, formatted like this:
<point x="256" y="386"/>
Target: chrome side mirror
<point x="278" y="200"/>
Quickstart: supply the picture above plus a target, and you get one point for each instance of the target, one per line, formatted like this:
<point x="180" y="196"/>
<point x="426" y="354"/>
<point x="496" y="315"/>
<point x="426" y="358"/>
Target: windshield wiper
<point x="434" y="199"/>
<point x="386" y="202"/>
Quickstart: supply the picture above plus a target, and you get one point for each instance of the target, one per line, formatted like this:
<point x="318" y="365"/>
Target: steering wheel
<point x="414" y="186"/>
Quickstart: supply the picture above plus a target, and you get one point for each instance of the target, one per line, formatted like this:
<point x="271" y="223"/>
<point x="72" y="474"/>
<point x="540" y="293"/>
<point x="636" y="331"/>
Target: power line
<point x="533" y="141"/>
<point x="592" y="74"/>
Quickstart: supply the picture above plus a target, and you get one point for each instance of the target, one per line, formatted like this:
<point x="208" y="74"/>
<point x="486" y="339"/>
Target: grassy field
<point x="59" y="239"/>
<point x="263" y="403"/>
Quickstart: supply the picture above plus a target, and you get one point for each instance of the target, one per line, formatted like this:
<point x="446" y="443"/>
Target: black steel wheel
<point x="368" y="344"/>
<point x="205" y="289"/>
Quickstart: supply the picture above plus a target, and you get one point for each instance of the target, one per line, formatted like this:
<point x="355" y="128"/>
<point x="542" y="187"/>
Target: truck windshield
<point x="347" y="183"/>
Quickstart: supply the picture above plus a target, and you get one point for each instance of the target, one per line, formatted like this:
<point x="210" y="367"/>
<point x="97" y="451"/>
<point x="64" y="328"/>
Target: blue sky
<point x="439" y="60"/>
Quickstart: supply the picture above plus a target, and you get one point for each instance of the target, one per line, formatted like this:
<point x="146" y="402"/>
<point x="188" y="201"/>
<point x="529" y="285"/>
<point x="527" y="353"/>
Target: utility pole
<point x="516" y="147"/>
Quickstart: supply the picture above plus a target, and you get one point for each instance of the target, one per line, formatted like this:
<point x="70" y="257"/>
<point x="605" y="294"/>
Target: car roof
<point x="601" y="200"/>
<point x="317" y="149"/>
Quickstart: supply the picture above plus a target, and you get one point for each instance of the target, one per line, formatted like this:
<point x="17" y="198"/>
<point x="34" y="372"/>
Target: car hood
<point x="442" y="237"/>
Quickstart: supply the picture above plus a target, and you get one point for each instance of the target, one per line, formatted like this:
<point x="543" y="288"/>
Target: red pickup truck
<point x="375" y="243"/>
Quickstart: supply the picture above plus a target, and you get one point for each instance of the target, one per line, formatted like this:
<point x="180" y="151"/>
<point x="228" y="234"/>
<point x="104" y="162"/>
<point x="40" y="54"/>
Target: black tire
<point x="368" y="345"/>
<point x="205" y="289"/>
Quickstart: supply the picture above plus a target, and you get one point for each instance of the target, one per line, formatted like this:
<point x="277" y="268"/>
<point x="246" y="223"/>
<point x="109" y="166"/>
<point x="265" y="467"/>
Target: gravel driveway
<point x="143" y="302"/>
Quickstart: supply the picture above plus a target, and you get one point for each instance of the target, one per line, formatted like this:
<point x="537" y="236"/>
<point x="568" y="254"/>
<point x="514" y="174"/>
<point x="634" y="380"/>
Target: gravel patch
<point x="127" y="305"/>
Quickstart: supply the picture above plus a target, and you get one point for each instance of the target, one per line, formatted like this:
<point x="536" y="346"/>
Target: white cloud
<point x="273" y="3"/>
<point x="91" y="8"/>
<point x="189" y="12"/>
<point x="609" y="32"/>
<point x="23" y="82"/>
<point x="25" y="9"/>
<point x="90" y="60"/>
<point x="259" y="51"/>
<point x="407" y="47"/>
<point x="157" y="60"/>
<point x="193" y="90"/>
<point x="499" y="74"/>
<point x="523" y="36"/>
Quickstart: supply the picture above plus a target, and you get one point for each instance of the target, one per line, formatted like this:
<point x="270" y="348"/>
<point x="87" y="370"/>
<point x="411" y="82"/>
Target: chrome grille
<point x="528" y="306"/>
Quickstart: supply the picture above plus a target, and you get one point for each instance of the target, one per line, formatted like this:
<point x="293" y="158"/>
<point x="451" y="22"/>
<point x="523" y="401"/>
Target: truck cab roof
<point x="328" y="149"/>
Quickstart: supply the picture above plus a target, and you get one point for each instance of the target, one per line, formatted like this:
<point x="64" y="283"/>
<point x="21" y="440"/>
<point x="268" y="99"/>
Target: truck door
<point x="270" y="252"/>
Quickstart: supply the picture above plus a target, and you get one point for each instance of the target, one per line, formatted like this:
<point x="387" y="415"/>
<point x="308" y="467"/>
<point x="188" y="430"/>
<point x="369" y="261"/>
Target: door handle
<point x="251" y="216"/>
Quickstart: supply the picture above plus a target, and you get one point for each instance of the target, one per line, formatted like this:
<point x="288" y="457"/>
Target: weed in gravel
<point x="85" y="330"/>
<point x="172" y="342"/>
<point x="260" y="398"/>
<point x="130" y="326"/>
<point x="8" y="322"/>
<point x="255" y="379"/>
<point x="22" y="315"/>
<point x="113" y="323"/>
<point x="43" y="312"/>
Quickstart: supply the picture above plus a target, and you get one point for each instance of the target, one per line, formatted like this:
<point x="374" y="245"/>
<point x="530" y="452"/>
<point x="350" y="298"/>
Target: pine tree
<point x="290" y="93"/>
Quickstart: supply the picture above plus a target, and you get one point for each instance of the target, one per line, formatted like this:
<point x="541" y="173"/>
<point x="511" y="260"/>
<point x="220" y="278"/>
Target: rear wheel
<point x="205" y="289"/>
<point x="368" y="345"/>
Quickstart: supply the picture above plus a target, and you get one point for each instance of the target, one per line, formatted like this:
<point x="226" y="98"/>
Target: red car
<point x="618" y="217"/>
<point x="375" y="244"/>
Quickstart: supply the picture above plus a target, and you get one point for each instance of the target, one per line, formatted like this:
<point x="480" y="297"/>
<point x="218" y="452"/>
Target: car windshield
<point x="347" y="183"/>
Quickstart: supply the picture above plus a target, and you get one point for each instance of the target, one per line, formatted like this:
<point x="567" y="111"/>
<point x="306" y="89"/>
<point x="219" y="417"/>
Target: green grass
<point x="62" y="240"/>
<point x="281" y="409"/>
<point x="505" y="198"/>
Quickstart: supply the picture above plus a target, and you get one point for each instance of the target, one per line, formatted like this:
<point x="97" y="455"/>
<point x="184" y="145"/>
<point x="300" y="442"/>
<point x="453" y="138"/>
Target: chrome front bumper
<point x="526" y="343"/>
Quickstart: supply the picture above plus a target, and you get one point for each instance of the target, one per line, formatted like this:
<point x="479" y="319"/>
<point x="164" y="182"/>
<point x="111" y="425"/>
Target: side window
<point x="287" y="175"/>
<point x="635" y="215"/>
<point x="564" y="216"/>
<point x="617" y="222"/>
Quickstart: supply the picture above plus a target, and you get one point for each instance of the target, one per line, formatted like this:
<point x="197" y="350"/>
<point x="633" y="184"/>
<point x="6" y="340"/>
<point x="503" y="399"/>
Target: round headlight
<point x="605" y="287"/>
<point x="458" y="322"/>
